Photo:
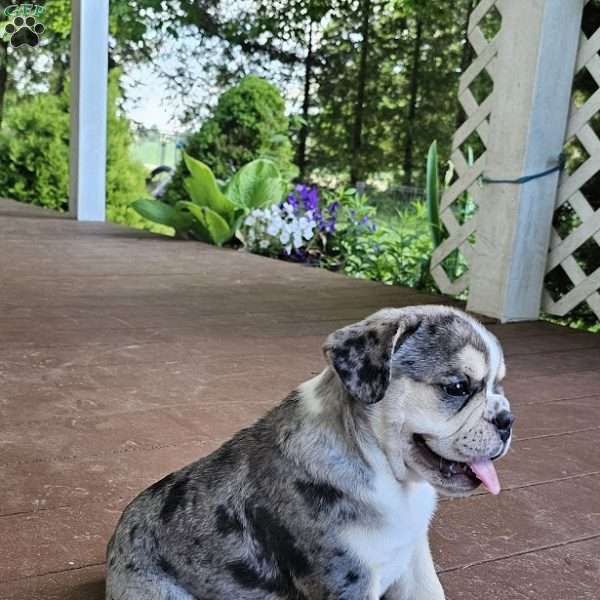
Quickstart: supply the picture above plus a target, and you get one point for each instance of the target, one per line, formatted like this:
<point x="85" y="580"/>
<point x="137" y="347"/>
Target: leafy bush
<point x="213" y="215"/>
<point x="248" y="122"/>
<point x="395" y="251"/>
<point x="34" y="145"/>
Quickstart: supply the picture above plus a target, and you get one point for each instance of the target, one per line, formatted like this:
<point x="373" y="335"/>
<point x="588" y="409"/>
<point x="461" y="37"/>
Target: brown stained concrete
<point x="124" y="356"/>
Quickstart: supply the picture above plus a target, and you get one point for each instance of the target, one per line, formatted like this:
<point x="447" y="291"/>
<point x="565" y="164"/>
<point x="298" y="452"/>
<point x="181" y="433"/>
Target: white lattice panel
<point x="585" y="221"/>
<point x="460" y="235"/>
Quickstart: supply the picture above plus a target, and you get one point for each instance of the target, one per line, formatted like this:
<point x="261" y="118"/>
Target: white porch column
<point x="89" y="87"/>
<point x="532" y="87"/>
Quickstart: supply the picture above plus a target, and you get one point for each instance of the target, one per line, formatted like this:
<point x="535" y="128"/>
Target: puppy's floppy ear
<point x="360" y="354"/>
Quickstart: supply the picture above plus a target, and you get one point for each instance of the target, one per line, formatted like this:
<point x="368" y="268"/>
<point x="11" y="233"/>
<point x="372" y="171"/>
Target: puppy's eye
<point x="457" y="388"/>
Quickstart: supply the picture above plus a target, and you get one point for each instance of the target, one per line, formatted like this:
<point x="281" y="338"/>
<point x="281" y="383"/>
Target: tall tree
<point x="414" y="61"/>
<point x="413" y="92"/>
<point x="356" y="173"/>
<point x="301" y="158"/>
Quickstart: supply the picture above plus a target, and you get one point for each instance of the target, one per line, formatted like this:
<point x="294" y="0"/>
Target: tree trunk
<point x="467" y="53"/>
<point x="3" y="76"/>
<point x="303" y="135"/>
<point x="356" y="173"/>
<point x="62" y="69"/>
<point x="409" y="141"/>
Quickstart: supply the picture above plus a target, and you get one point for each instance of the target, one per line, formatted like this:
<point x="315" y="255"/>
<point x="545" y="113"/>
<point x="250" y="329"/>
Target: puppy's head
<point x="432" y="377"/>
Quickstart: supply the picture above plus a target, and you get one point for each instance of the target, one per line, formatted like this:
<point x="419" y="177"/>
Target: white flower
<point x="273" y="228"/>
<point x="263" y="244"/>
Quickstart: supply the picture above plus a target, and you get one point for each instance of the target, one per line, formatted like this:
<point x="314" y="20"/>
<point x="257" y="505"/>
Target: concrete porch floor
<point x="124" y="356"/>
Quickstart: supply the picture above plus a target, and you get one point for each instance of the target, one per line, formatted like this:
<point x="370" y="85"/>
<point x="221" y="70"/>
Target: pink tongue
<point x="486" y="473"/>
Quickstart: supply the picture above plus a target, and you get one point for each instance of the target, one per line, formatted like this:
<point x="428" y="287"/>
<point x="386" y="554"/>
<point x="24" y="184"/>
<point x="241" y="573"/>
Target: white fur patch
<point x="407" y="509"/>
<point x="310" y="399"/>
<point x="475" y="364"/>
<point x="496" y="360"/>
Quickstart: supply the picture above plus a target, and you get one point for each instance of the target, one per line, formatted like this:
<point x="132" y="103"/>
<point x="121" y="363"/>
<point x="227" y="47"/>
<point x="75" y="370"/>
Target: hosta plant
<point x="213" y="214"/>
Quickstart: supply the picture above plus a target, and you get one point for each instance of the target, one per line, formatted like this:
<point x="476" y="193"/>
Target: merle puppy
<point x="330" y="495"/>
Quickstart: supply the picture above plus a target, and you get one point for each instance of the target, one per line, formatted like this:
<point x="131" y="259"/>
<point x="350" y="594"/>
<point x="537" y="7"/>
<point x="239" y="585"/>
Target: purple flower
<point x="305" y="199"/>
<point x="308" y="195"/>
<point x="312" y="199"/>
<point x="318" y="217"/>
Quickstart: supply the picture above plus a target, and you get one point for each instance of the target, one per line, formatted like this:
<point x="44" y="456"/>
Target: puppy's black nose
<point x="503" y="421"/>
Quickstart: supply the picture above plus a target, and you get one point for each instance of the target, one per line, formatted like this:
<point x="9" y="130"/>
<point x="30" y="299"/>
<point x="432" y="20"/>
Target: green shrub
<point x="214" y="215"/>
<point x="396" y="250"/>
<point x="34" y="145"/>
<point x="248" y="122"/>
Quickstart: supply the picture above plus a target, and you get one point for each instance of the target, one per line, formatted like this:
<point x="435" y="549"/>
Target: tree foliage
<point x="378" y="77"/>
<point x="414" y="61"/>
<point x="248" y="122"/>
<point x="373" y="82"/>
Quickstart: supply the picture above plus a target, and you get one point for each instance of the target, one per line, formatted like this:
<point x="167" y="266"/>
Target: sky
<point x="148" y="100"/>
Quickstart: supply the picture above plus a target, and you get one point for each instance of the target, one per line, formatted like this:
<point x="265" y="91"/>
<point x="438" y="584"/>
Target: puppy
<point x="330" y="495"/>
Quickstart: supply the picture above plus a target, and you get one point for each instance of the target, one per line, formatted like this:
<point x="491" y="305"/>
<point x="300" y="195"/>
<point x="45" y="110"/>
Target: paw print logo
<point x="24" y="31"/>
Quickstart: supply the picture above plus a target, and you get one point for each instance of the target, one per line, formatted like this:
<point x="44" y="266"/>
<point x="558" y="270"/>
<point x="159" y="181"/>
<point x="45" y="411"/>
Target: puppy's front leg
<point x="420" y="581"/>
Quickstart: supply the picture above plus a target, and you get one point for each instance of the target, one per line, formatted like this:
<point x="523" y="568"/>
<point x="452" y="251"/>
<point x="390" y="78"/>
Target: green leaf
<point x="432" y="192"/>
<point x="197" y="229"/>
<point x="203" y="189"/>
<point x="218" y="229"/>
<point x="256" y="184"/>
<point x="164" y="214"/>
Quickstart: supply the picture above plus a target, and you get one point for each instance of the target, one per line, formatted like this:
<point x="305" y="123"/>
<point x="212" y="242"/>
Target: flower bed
<point x="342" y="231"/>
<point x="337" y="230"/>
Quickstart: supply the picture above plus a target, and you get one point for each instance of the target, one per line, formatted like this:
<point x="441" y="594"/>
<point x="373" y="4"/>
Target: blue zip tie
<point x="562" y="159"/>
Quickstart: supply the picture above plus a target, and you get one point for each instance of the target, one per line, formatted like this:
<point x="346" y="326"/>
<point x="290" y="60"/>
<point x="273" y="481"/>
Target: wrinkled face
<point x="446" y="389"/>
<point x="442" y="416"/>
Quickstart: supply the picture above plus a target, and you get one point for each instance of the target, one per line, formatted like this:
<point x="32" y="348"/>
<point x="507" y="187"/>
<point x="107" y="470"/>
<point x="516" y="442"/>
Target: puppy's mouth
<point x="461" y="476"/>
